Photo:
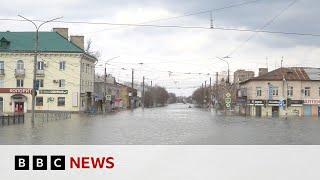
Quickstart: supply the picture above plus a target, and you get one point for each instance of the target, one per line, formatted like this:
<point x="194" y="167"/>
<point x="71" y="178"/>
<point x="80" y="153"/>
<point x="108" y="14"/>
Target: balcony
<point x="1" y="72"/>
<point x="20" y="72"/>
<point x="40" y="72"/>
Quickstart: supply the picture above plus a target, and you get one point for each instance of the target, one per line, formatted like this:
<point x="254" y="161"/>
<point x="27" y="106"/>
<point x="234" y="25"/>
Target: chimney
<point x="263" y="71"/>
<point x="62" y="31"/>
<point x="78" y="41"/>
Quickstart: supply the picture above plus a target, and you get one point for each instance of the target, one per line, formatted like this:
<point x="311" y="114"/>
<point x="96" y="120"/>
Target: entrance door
<point x="319" y="111"/>
<point x="19" y="107"/>
<point x="258" y="111"/>
<point x="275" y="111"/>
<point x="307" y="110"/>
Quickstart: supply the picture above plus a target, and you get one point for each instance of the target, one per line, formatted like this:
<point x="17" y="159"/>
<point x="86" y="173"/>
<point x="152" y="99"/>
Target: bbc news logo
<point x="42" y="162"/>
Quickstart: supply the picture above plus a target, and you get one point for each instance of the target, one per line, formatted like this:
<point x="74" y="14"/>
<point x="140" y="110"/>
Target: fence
<point x="53" y="116"/>
<point x="11" y="119"/>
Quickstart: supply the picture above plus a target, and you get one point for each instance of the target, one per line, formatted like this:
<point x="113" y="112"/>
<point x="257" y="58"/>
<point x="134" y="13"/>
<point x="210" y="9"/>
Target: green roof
<point x="48" y="42"/>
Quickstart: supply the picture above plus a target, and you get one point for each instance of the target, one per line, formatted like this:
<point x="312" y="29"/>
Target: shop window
<point x="39" y="101"/>
<point x="307" y="91"/>
<point x="61" y="101"/>
<point x="1" y="104"/>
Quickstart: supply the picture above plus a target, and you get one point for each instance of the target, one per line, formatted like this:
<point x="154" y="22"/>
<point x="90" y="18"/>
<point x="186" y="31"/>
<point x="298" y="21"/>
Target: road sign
<point x="108" y="97"/>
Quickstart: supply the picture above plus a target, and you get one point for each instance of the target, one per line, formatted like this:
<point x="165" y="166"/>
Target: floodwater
<point x="174" y="125"/>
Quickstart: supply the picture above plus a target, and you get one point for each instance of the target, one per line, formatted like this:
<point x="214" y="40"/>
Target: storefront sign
<point x="296" y="102"/>
<point x="276" y="102"/>
<point x="108" y="97"/>
<point x="16" y="90"/>
<point x="257" y="102"/>
<point x="52" y="91"/>
<point x="311" y="101"/>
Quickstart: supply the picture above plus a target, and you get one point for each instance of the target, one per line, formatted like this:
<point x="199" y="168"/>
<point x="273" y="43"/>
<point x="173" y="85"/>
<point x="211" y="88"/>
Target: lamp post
<point x="35" y="59"/>
<point x="223" y="59"/>
<point x="105" y="79"/>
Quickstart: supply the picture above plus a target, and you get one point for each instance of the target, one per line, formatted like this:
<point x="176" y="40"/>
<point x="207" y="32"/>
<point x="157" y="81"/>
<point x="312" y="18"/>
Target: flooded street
<point x="174" y="124"/>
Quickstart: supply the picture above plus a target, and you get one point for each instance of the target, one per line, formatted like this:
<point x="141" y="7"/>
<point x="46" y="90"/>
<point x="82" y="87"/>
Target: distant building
<point x="293" y="91"/>
<point x="263" y="71"/>
<point x="64" y="72"/>
<point x="242" y="75"/>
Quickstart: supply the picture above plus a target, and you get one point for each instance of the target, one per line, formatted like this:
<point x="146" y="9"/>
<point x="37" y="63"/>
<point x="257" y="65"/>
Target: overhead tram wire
<point x="176" y="26"/>
<point x="189" y="14"/>
<point x="263" y="27"/>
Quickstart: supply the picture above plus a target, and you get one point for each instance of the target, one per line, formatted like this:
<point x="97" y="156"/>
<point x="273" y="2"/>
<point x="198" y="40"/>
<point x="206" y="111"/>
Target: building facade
<point x="284" y="91"/>
<point x="64" y="72"/>
<point x="242" y="75"/>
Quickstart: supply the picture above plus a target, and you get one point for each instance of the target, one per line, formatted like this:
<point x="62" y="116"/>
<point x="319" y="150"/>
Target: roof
<point x="290" y="74"/>
<point x="48" y="42"/>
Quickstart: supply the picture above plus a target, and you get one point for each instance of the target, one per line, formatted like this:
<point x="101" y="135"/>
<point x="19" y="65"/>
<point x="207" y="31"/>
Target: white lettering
<point x="56" y="164"/>
<point x="22" y="163"/>
<point x="39" y="162"/>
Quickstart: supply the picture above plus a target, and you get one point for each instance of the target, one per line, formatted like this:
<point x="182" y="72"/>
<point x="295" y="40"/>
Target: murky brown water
<point x="175" y="124"/>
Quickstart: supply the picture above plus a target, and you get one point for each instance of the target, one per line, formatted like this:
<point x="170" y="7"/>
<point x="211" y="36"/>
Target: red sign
<point x="312" y="101"/>
<point x="16" y="90"/>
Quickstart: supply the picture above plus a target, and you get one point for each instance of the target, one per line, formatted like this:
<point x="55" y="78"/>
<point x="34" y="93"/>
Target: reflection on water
<point x="175" y="124"/>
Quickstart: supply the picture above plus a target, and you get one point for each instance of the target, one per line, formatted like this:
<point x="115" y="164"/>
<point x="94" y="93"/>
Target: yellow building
<point x="65" y="73"/>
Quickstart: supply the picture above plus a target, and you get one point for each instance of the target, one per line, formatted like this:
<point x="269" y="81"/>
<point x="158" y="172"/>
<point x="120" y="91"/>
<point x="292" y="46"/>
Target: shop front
<point x="19" y="103"/>
<point x="276" y="106"/>
<point x="311" y="107"/>
<point x="257" y="107"/>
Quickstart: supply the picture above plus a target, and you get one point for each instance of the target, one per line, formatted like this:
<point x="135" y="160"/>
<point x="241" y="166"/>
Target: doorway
<point x="18" y="107"/>
<point x="258" y="111"/>
<point x="275" y="111"/>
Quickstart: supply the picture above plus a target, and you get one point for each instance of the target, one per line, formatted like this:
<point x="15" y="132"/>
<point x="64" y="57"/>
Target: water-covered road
<point x="174" y="124"/>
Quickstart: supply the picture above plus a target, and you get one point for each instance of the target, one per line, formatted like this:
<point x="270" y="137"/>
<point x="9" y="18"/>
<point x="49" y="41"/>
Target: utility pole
<point x="105" y="82"/>
<point x="35" y="61"/>
<point x="210" y="93"/>
<point x="132" y="81"/>
<point x="143" y="92"/>
<point x="205" y="93"/>
<point x="151" y="83"/>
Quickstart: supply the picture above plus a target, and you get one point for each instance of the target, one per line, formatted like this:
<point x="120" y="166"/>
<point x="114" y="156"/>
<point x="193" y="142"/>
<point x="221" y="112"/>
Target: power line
<point x="263" y="27"/>
<point x="190" y="14"/>
<point x="176" y="26"/>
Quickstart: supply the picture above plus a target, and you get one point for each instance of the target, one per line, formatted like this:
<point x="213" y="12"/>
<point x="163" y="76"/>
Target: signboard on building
<point x="16" y="90"/>
<point x="53" y="91"/>
<point x="270" y="90"/>
<point x="276" y="102"/>
<point x="257" y="102"/>
<point x="311" y="101"/>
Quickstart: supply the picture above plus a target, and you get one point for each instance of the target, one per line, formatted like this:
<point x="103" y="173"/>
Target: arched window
<point x="20" y="65"/>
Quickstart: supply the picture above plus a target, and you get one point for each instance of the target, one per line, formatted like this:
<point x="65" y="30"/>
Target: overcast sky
<point x="182" y="50"/>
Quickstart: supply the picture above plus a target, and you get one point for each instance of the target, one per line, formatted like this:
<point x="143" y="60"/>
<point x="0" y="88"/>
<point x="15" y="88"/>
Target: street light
<point x="35" y="59"/>
<point x="105" y="77"/>
<point x="223" y="59"/>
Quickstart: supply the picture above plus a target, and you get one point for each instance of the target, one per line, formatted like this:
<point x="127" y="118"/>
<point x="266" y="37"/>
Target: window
<point x="1" y="83"/>
<point x="87" y="68"/>
<point x="39" y="101"/>
<point x="259" y="91"/>
<point x="319" y="91"/>
<point x="82" y="67"/>
<point x="40" y="65"/>
<point x="1" y="104"/>
<point x="62" y="65"/>
<point x="307" y="91"/>
<point x="1" y="67"/>
<point x="290" y="91"/>
<point x="39" y="83"/>
<point x="61" y="101"/>
<point x="20" y="65"/>
<point x="62" y="83"/>
<point x="275" y="91"/>
<point x="19" y="82"/>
